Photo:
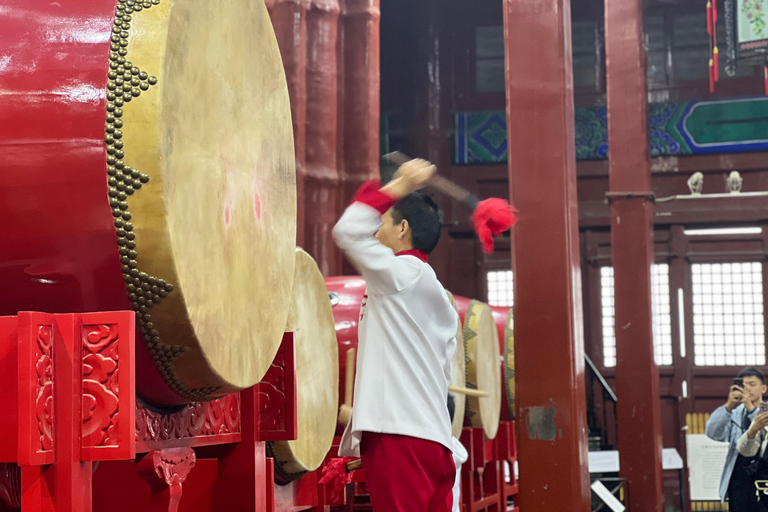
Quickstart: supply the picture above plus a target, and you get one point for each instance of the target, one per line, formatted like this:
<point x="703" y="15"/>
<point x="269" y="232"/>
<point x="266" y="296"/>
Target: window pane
<point x="728" y="314"/>
<point x="691" y="63"/>
<point x="654" y="30"/>
<point x="500" y="288"/>
<point x="490" y="75"/>
<point x="690" y="30"/>
<point x="657" y="67"/>
<point x="489" y="42"/>
<point x="584" y="72"/>
<point x="660" y="308"/>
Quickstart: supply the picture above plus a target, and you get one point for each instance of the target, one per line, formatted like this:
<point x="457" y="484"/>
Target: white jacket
<point x="406" y="338"/>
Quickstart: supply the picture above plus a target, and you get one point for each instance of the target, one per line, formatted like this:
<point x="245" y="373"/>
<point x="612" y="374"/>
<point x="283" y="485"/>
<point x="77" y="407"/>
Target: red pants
<point x="407" y="474"/>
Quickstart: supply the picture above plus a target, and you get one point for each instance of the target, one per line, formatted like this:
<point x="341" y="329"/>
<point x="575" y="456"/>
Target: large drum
<point x="459" y="375"/>
<point x="505" y="326"/>
<point x="481" y="340"/>
<point x="347" y="294"/>
<point x="317" y="375"/>
<point x="147" y="164"/>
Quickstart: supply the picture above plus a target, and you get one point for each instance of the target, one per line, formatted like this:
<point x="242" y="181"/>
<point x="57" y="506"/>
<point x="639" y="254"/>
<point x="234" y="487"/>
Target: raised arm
<point x="355" y="233"/>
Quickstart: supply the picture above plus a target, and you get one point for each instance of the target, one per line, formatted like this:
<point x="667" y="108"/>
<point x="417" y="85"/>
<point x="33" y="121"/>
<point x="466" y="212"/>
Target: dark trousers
<point x="741" y="491"/>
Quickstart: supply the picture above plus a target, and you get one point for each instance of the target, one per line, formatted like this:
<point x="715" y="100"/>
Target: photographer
<point x="752" y="444"/>
<point x="727" y="424"/>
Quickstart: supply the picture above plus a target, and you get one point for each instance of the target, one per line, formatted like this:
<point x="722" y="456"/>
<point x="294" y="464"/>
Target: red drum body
<point x="503" y="319"/>
<point x="346" y="294"/>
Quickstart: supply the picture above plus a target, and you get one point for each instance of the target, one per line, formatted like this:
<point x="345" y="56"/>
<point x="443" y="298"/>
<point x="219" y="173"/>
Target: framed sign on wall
<point x="751" y="27"/>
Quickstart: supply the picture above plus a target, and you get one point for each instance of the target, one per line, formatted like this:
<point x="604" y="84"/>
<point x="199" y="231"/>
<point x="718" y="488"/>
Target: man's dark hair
<point x="423" y="217"/>
<point x="451" y="406"/>
<point x="751" y="372"/>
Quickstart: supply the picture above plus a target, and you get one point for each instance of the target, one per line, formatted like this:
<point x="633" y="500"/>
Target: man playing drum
<point x="400" y="426"/>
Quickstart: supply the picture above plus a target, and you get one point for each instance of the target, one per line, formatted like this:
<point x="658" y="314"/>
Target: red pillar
<point x="289" y="20"/>
<point x="361" y="93"/>
<point x="637" y="378"/>
<point x="549" y="345"/>
<point x="322" y="195"/>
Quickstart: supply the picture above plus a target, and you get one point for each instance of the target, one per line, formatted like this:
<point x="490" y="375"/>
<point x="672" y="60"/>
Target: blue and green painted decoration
<point x="680" y="128"/>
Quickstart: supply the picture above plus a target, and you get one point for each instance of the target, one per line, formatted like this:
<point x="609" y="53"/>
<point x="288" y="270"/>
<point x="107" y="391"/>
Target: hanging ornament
<point x="710" y="31"/>
<point x="715" y="51"/>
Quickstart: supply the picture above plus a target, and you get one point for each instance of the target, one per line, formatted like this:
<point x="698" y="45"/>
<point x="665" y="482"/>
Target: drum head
<point x="458" y="375"/>
<point x="509" y="363"/>
<point x="483" y="370"/>
<point x="206" y="128"/>
<point x="317" y="374"/>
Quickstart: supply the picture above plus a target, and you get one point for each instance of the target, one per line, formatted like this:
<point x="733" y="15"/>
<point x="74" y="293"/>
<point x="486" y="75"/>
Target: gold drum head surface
<point x="317" y="374"/>
<point x="458" y="375"/>
<point x="481" y="339"/>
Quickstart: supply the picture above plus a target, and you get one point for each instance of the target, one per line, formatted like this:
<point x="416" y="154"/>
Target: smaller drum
<point x="317" y="375"/>
<point x="504" y="324"/>
<point x="458" y="375"/>
<point x="483" y="369"/>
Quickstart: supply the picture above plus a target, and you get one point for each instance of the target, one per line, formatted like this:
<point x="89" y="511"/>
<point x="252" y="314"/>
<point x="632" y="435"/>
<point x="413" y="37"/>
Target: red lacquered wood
<point x="278" y="416"/>
<point x="551" y="411"/>
<point x="361" y="93"/>
<point x="638" y="410"/>
<point x="289" y="19"/>
<point x="9" y="383"/>
<point x="322" y="194"/>
<point x="107" y="345"/>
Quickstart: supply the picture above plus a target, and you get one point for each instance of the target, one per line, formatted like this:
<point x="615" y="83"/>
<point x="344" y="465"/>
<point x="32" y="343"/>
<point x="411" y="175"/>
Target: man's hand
<point x="736" y="397"/>
<point x="411" y="176"/>
<point x="761" y="421"/>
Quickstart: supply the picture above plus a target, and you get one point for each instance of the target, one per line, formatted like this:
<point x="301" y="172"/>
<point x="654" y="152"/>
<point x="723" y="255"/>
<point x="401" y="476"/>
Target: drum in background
<point x="148" y="164"/>
<point x="346" y="294"/>
<point x="505" y="326"/>
<point x="483" y="370"/>
<point x="317" y="375"/>
<point x="458" y="375"/>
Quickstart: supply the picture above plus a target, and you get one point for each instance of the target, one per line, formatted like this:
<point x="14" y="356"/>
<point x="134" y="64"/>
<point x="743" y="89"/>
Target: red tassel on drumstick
<point x="489" y="217"/>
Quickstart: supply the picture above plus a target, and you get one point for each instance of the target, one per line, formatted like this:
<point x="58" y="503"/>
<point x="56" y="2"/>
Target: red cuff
<point x="370" y="193"/>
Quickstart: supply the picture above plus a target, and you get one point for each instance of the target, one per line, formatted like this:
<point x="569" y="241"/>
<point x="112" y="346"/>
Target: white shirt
<point x="406" y="339"/>
<point x="460" y="456"/>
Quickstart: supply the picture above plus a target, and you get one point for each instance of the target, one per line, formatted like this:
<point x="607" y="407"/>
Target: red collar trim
<point x="414" y="252"/>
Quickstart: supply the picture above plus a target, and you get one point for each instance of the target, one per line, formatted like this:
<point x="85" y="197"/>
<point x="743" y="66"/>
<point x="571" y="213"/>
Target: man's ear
<point x="403" y="229"/>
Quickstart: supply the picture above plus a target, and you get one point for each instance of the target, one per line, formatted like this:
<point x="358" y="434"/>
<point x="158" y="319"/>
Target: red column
<point x="361" y="93"/>
<point x="549" y="348"/>
<point x="289" y="19"/>
<point x="322" y="195"/>
<point x="637" y="378"/>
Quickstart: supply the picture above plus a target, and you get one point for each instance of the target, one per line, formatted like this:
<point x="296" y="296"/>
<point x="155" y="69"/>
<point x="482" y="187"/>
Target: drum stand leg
<point x="166" y="470"/>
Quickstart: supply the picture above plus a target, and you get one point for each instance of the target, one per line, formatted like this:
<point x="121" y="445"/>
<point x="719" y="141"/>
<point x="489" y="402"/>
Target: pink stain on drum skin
<point x="256" y="198"/>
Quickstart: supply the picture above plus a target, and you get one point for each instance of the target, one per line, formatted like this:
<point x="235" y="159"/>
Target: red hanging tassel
<point x="711" y="76"/>
<point x="715" y="51"/>
<point x="335" y="475"/>
<point x="491" y="217"/>
<point x="709" y="18"/>
<point x="716" y="66"/>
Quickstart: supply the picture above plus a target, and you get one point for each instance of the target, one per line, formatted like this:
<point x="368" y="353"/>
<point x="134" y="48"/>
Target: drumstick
<point x="350" y="377"/>
<point x="355" y="464"/>
<point x="489" y="217"/>
<point x="467" y="391"/>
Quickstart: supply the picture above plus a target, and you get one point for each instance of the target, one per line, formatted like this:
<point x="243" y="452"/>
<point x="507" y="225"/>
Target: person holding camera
<point x="727" y="424"/>
<point x="752" y="445"/>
